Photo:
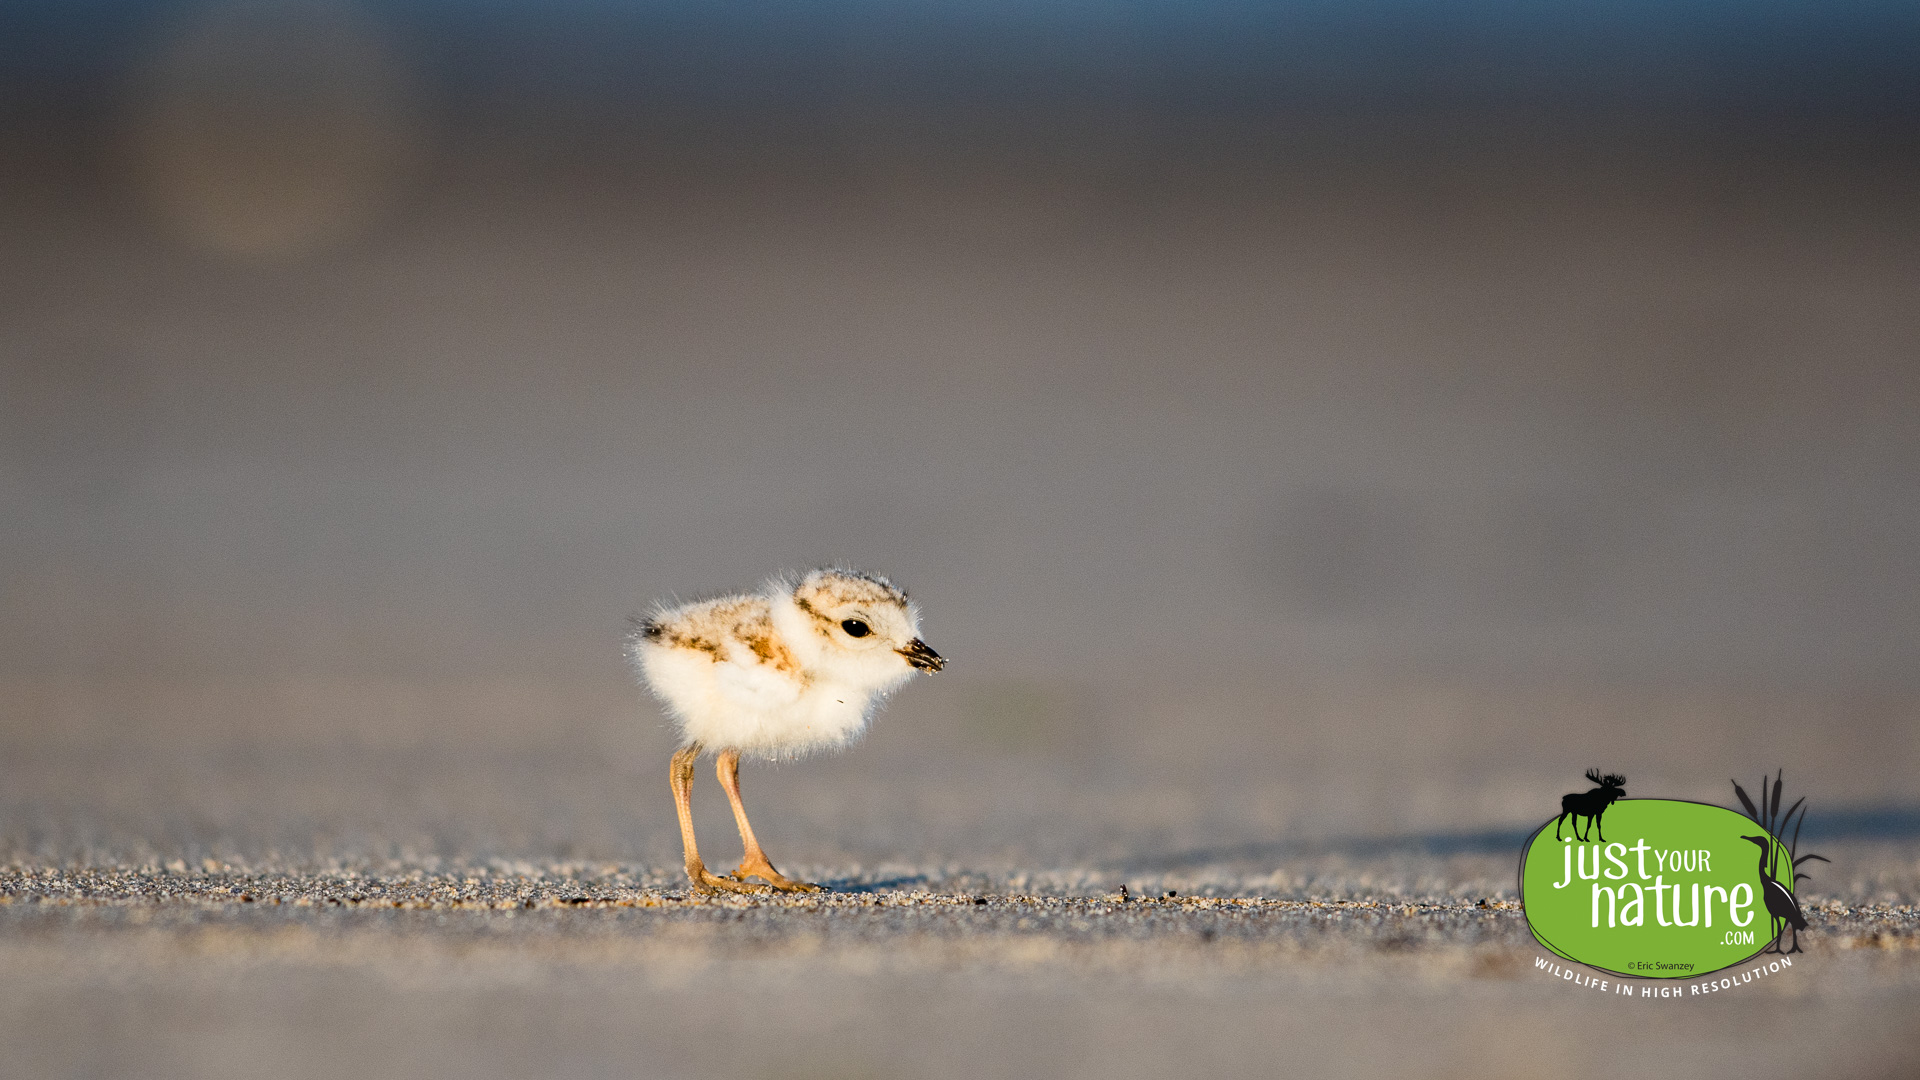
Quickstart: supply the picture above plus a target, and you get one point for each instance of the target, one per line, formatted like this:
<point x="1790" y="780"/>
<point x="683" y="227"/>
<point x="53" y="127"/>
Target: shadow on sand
<point x="1860" y="823"/>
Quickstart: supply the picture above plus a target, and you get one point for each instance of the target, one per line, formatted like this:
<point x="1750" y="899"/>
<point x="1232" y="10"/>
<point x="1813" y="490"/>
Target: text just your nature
<point x="1627" y="902"/>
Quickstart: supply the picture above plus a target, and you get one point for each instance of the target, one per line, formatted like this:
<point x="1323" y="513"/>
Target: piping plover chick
<point x="796" y="668"/>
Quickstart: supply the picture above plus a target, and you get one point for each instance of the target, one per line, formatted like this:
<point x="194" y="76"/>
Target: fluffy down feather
<point x="796" y="668"/>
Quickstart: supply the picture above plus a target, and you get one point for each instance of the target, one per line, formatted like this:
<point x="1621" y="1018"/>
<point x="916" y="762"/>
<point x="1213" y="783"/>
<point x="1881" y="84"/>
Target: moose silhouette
<point x="1591" y="804"/>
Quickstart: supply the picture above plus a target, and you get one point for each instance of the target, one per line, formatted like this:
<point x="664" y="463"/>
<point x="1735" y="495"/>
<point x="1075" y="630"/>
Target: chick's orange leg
<point x="703" y="879"/>
<point x="754" y="862"/>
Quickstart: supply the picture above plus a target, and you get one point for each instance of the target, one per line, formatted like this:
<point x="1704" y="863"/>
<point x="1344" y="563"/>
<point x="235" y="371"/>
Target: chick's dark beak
<point x="922" y="657"/>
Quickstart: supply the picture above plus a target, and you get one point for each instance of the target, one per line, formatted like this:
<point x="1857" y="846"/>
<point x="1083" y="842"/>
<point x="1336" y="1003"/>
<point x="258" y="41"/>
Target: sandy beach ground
<point x="305" y="913"/>
<point x="591" y="973"/>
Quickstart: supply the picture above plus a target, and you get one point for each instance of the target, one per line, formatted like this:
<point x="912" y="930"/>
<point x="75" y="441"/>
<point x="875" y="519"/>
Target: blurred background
<point x="1300" y="422"/>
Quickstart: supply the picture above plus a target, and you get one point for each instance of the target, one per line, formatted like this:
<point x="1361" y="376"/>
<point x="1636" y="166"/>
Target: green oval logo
<point x="1674" y="890"/>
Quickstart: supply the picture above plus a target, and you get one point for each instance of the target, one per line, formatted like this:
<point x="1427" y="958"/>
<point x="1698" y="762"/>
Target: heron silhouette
<point x="1781" y="904"/>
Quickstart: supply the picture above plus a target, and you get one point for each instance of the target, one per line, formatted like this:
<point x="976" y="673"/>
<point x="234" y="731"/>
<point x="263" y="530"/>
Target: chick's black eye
<point x="855" y="628"/>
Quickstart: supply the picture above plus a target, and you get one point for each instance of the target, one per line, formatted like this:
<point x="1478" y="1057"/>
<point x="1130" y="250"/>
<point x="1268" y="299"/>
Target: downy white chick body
<point x="796" y="668"/>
